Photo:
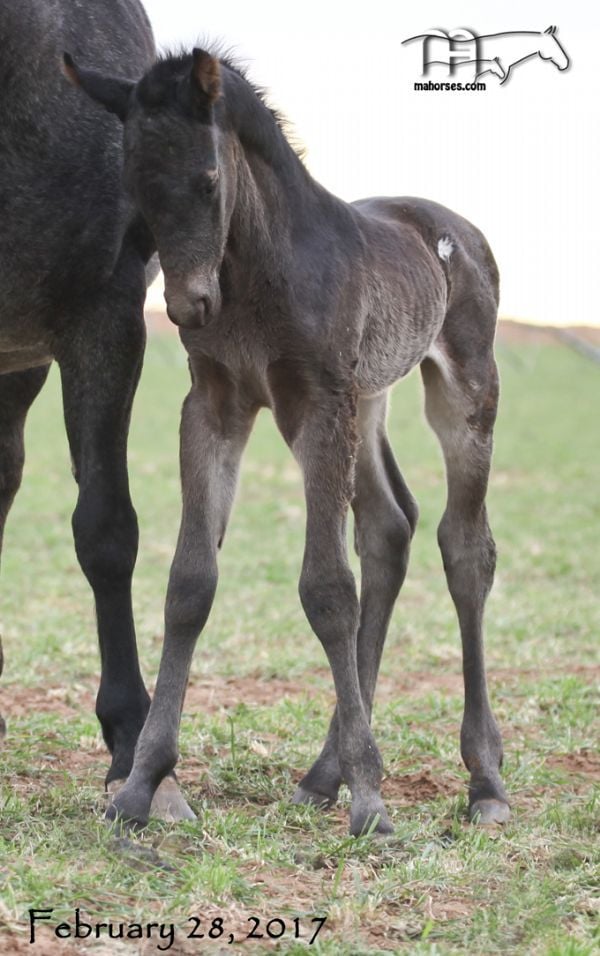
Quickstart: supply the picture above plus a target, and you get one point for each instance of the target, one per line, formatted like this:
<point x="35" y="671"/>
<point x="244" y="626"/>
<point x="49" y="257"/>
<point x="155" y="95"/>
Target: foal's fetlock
<point x="483" y="755"/>
<point x="130" y="807"/>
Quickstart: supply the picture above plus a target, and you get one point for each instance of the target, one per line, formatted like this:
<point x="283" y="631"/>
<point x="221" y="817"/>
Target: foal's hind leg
<point x="385" y="518"/>
<point x="326" y="447"/>
<point x="17" y="392"/>
<point x="461" y="395"/>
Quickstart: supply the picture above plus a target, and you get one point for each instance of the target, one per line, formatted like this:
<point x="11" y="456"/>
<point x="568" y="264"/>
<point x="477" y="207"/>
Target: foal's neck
<point x="278" y="204"/>
<point x="267" y="212"/>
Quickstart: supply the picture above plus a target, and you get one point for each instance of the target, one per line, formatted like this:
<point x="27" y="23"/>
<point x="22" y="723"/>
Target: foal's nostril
<point x="201" y="308"/>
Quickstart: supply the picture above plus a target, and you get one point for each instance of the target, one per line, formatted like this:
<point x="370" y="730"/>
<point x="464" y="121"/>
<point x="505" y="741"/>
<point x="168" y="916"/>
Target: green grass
<point x="261" y="694"/>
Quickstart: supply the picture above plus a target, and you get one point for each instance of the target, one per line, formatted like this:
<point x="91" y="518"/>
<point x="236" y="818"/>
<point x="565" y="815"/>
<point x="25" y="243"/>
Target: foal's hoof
<point x="489" y="812"/>
<point x="168" y="803"/>
<point x="372" y="820"/>
<point x="312" y="798"/>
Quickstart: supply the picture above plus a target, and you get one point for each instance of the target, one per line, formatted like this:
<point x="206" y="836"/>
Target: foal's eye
<point x="206" y="182"/>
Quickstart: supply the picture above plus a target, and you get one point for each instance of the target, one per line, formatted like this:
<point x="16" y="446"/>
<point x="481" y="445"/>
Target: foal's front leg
<point x="326" y="449"/>
<point x="215" y="426"/>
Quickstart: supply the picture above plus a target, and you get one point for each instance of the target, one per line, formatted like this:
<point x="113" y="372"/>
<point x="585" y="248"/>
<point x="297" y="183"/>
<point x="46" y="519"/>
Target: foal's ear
<point x="112" y="92"/>
<point x="206" y="75"/>
<point x="550" y="30"/>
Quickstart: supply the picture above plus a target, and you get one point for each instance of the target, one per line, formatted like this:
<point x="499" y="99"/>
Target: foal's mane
<point x="258" y="125"/>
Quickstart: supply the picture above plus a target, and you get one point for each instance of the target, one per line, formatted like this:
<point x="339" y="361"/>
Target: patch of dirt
<point x="419" y="787"/>
<point x="583" y="763"/>
<point x="210" y="695"/>
<point x="213" y="694"/>
<point x="19" y="701"/>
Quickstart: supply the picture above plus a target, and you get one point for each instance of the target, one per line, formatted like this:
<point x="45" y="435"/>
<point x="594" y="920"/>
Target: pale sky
<point x="521" y="161"/>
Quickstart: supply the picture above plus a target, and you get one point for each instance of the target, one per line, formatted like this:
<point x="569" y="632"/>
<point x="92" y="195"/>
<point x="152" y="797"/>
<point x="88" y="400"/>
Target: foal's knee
<point x="105" y="530"/>
<point x="392" y="539"/>
<point x="385" y="539"/>
<point x="189" y="600"/>
<point x="330" y="603"/>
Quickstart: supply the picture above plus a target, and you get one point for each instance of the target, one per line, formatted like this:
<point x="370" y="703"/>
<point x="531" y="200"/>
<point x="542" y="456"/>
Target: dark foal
<point x="73" y="254"/>
<point x="290" y="298"/>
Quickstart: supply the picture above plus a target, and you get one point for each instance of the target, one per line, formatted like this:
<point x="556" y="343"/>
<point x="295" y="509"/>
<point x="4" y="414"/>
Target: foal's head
<point x="179" y="168"/>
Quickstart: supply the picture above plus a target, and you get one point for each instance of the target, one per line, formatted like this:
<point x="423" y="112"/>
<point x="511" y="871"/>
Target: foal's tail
<point x="466" y="252"/>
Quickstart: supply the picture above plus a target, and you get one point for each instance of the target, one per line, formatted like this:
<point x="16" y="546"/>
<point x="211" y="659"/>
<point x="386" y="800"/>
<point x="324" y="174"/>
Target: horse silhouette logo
<point x="498" y="54"/>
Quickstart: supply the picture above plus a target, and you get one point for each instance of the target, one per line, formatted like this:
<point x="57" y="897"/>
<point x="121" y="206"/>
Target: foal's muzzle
<point x="194" y="316"/>
<point x="192" y="304"/>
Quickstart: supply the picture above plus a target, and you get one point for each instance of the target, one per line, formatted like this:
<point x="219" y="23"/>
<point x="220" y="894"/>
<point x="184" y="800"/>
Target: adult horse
<point x="73" y="254"/>
<point x="288" y="297"/>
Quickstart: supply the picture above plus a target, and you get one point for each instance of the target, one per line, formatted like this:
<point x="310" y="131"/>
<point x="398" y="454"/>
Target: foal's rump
<point x="427" y="268"/>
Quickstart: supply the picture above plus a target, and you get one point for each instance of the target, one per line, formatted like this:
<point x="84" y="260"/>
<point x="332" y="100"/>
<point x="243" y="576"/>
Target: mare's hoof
<point x="312" y="798"/>
<point x="168" y="803"/>
<point x="489" y="812"/>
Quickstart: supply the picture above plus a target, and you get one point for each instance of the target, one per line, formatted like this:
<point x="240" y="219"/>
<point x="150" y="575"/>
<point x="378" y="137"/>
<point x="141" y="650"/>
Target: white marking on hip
<point x="445" y="248"/>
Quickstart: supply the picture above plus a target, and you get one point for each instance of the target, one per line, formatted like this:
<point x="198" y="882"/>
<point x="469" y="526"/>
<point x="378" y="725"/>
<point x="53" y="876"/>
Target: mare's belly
<point x="19" y="360"/>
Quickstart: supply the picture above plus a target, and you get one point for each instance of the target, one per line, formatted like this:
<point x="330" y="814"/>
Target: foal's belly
<point x="392" y="345"/>
<point x="405" y="297"/>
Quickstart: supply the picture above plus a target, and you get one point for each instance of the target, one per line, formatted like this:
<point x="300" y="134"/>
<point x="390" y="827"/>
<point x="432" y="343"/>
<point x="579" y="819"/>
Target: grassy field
<point x="260" y="696"/>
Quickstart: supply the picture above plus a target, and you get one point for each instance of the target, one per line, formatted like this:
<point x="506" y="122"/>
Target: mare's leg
<point x="215" y="425"/>
<point x="326" y="446"/>
<point x="461" y="397"/>
<point x="100" y="357"/>
<point x="385" y="519"/>
<point x="17" y="392"/>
